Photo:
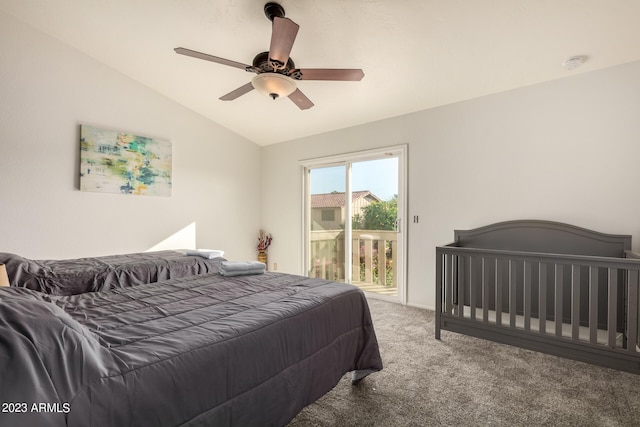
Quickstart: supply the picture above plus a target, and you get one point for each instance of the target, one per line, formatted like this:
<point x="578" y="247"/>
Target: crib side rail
<point x="582" y="299"/>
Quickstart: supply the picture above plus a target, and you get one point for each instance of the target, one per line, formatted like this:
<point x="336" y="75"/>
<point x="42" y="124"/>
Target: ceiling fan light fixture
<point x="274" y="85"/>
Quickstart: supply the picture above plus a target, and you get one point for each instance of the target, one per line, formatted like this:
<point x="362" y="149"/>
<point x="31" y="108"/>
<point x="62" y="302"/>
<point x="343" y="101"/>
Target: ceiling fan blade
<point x="236" y="93"/>
<point x="301" y="100"/>
<point x="206" y="57"/>
<point x="283" y="34"/>
<point x="345" y="74"/>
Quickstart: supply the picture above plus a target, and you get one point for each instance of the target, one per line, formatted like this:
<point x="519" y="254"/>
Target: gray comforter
<point x="199" y="351"/>
<point x="75" y="276"/>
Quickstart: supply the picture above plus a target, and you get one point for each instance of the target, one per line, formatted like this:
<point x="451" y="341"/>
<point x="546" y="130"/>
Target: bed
<point x="195" y="351"/>
<point x="75" y="276"/>
<point x="544" y="286"/>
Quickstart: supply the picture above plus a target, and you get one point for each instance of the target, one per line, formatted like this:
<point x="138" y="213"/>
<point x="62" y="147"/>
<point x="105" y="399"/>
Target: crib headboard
<point x="545" y="237"/>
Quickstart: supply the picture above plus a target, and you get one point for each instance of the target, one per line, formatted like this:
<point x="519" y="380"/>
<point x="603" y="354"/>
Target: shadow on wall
<point x="181" y="239"/>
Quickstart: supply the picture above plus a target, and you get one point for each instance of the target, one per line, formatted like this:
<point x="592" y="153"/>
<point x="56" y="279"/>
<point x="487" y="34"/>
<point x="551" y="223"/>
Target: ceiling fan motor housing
<point x="262" y="64"/>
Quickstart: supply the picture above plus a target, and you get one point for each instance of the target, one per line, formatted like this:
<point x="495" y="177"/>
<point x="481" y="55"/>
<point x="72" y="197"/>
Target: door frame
<point x="399" y="151"/>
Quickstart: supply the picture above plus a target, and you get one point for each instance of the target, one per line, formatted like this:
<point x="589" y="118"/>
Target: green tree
<point x="356" y="222"/>
<point x="378" y="216"/>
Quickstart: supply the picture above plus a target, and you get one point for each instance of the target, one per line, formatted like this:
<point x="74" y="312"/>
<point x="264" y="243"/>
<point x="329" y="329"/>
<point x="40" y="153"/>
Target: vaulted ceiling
<point x="416" y="54"/>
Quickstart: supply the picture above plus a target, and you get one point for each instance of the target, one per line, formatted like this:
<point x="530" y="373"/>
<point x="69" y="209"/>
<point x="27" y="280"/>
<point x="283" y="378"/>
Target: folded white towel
<point x="205" y="253"/>
<point x="240" y="268"/>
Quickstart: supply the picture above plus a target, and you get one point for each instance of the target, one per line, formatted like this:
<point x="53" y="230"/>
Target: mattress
<point x="196" y="351"/>
<point x="75" y="276"/>
<point x="602" y="335"/>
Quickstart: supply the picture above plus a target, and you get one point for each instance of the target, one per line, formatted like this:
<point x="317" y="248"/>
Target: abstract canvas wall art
<point x="119" y="162"/>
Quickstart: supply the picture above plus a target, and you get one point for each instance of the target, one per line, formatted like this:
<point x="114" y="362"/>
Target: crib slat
<point x="472" y="290"/>
<point x="527" y="295"/>
<point x="485" y="291"/>
<point x="542" y="298"/>
<point x="558" y="300"/>
<point x="612" y="307"/>
<point x="499" y="287"/>
<point x="512" y="294"/>
<point x="632" y="312"/>
<point x="575" y="302"/>
<point x="461" y="279"/>
<point x="593" y="305"/>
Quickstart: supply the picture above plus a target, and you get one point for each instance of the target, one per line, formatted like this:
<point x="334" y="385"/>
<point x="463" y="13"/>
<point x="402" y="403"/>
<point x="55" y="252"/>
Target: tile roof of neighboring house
<point x="336" y="200"/>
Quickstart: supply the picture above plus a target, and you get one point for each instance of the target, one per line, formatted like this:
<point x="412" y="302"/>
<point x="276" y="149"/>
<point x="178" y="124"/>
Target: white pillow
<point x="206" y="253"/>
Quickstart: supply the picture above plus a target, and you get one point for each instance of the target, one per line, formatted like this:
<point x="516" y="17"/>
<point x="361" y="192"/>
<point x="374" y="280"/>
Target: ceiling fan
<point x="276" y="74"/>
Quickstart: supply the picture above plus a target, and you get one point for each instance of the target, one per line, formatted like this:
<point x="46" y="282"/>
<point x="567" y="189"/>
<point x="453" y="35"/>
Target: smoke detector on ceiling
<point x="572" y="62"/>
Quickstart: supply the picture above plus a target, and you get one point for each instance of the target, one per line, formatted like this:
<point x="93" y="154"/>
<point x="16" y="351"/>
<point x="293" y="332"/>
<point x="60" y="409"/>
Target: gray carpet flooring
<point x="465" y="381"/>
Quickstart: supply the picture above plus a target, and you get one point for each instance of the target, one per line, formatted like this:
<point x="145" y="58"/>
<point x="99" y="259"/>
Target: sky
<point x="378" y="176"/>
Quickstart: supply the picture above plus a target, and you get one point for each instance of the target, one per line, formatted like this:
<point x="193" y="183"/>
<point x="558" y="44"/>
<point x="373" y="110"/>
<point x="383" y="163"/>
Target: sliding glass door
<point x="354" y="209"/>
<point x="328" y="217"/>
<point x="374" y="232"/>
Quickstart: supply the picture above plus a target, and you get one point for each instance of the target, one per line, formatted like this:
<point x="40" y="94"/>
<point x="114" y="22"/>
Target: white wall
<point x="47" y="90"/>
<point x="566" y="150"/>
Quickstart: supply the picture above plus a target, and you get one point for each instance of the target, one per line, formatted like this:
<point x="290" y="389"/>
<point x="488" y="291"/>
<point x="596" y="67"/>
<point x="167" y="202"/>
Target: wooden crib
<point x="544" y="286"/>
